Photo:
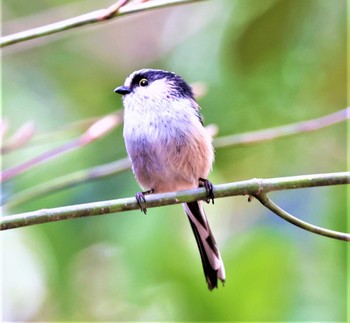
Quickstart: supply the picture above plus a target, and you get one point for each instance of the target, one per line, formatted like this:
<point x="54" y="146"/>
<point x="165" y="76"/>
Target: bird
<point x="171" y="150"/>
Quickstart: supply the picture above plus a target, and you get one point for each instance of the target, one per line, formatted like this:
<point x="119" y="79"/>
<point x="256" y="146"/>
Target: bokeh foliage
<point x="266" y="63"/>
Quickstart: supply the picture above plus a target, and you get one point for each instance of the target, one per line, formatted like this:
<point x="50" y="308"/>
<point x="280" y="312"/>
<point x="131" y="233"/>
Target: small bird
<point x="170" y="150"/>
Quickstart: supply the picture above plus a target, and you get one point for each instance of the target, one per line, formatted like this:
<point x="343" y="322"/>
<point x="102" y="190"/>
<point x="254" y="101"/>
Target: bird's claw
<point x="141" y="200"/>
<point x="209" y="189"/>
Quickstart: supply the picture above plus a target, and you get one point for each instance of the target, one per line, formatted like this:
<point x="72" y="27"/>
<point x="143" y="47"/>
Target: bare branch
<point x="255" y="137"/>
<point x="254" y="187"/>
<point x="98" y="16"/>
<point x="264" y="200"/>
<point x="96" y="131"/>
<point x="69" y="180"/>
<point x="20" y="138"/>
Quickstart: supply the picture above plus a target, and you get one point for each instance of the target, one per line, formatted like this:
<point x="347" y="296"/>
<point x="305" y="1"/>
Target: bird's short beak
<point x="122" y="90"/>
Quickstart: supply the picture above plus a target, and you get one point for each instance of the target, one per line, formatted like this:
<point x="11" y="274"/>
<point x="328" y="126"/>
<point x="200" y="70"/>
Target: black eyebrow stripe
<point x="137" y="78"/>
<point x="179" y="86"/>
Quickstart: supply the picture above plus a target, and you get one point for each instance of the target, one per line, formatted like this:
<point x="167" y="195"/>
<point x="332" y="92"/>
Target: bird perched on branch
<point x="170" y="150"/>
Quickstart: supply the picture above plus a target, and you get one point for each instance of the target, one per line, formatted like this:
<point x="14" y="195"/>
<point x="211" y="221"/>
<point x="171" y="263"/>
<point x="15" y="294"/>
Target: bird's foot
<point x="209" y="189"/>
<point x="141" y="200"/>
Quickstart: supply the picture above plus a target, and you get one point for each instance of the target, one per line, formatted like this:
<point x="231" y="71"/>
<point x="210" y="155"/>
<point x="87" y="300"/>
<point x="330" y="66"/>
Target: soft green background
<point x="266" y="63"/>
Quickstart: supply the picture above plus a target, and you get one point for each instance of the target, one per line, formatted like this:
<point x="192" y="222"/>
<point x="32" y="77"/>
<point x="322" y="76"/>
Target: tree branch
<point x="98" y="16"/>
<point x="254" y="137"/>
<point x="96" y="131"/>
<point x="264" y="200"/>
<point x="255" y="187"/>
<point x="19" y="139"/>
<point x="69" y="180"/>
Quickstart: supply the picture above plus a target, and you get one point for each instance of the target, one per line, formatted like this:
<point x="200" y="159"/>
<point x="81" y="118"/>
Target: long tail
<point x="212" y="263"/>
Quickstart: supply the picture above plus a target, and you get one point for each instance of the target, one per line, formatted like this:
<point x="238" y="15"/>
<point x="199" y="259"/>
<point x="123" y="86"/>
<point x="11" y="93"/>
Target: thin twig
<point x="68" y="181"/>
<point x="96" y="131"/>
<point x="19" y="139"/>
<point x="67" y="130"/>
<point x="258" y="136"/>
<point x="97" y="16"/>
<point x="254" y="187"/>
<point x="111" y="11"/>
<point x="264" y="200"/>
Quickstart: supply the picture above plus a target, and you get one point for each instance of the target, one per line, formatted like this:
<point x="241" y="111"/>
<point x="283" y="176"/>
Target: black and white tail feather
<point x="213" y="265"/>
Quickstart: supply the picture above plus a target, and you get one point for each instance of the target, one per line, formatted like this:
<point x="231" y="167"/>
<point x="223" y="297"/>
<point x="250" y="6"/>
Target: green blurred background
<point x="266" y="63"/>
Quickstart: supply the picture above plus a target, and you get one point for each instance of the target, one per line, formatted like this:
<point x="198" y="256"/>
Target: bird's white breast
<point x="168" y="146"/>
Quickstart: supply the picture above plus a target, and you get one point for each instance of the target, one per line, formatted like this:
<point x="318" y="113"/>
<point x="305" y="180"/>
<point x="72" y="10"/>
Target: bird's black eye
<point x="143" y="82"/>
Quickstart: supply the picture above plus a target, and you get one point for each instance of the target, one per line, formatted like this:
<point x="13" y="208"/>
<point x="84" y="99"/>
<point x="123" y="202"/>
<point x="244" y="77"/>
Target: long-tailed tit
<point x="170" y="150"/>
